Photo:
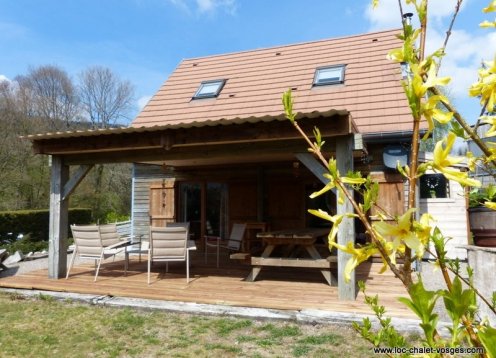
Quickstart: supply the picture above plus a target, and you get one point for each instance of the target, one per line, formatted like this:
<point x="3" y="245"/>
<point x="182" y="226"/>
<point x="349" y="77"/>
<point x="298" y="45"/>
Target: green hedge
<point x="35" y="222"/>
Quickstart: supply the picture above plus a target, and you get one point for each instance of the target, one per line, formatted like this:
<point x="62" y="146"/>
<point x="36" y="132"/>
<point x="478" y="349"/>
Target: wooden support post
<point x="260" y="194"/>
<point x="346" y="233"/>
<point x="59" y="212"/>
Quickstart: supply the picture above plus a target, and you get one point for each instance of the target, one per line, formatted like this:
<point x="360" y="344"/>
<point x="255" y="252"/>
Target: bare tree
<point x="45" y="100"/>
<point x="48" y="92"/>
<point x="105" y="98"/>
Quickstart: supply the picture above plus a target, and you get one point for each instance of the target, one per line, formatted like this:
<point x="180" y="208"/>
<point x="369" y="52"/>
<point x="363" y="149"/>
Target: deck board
<point x="275" y="288"/>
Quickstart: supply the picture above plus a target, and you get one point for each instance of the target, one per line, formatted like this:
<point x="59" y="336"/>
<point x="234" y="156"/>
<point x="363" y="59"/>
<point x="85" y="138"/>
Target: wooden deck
<point x="275" y="288"/>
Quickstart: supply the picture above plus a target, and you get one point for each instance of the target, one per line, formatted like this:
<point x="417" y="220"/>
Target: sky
<point x="144" y="40"/>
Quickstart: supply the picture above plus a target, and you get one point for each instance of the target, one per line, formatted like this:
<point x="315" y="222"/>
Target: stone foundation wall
<point x="483" y="261"/>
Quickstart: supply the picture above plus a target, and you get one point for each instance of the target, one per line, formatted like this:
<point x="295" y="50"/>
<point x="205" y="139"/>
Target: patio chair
<point x="232" y="244"/>
<point x="184" y="224"/>
<point x="116" y="233"/>
<point x="89" y="245"/>
<point x="109" y="234"/>
<point x="191" y="243"/>
<point x="168" y="244"/>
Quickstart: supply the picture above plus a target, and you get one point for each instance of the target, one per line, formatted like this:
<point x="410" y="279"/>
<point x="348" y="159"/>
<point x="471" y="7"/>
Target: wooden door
<point x="391" y="193"/>
<point x="162" y="198"/>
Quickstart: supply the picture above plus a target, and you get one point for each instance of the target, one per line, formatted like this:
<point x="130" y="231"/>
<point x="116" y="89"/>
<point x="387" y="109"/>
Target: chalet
<point x="255" y="173"/>
<point x="212" y="147"/>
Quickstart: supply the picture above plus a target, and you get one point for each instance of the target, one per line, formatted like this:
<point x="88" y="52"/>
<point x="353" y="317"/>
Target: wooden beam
<point x="75" y="180"/>
<point x="313" y="165"/>
<point x="346" y="231"/>
<point x="58" y="221"/>
<point x="290" y="262"/>
<point x="194" y="136"/>
<point x="227" y="152"/>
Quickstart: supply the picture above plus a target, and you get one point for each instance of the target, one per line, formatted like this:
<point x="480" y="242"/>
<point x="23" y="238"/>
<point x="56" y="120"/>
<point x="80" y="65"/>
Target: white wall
<point x="451" y="218"/>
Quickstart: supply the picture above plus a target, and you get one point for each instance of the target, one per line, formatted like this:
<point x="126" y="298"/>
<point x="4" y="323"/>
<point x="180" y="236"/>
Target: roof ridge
<point x="288" y="45"/>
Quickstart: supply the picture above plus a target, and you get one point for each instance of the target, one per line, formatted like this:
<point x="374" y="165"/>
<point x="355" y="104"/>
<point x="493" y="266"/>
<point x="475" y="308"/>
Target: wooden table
<point x="292" y="239"/>
<point x="252" y="229"/>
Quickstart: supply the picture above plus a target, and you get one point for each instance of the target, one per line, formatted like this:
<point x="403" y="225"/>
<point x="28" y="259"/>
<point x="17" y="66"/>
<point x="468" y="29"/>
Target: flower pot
<point x="483" y="226"/>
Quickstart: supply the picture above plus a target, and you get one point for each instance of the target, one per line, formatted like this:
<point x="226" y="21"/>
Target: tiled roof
<point x="256" y="79"/>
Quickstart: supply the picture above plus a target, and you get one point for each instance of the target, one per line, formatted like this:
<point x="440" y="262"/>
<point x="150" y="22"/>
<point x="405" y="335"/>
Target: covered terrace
<point x="221" y="143"/>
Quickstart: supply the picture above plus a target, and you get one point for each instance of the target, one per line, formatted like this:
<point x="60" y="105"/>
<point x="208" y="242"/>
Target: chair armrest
<point x="191" y="245"/>
<point x="117" y="245"/>
<point x="212" y="238"/>
<point x="136" y="239"/>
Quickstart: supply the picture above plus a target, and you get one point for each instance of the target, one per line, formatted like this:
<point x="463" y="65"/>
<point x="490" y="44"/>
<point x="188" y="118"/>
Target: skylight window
<point x="329" y="75"/>
<point x="209" y="89"/>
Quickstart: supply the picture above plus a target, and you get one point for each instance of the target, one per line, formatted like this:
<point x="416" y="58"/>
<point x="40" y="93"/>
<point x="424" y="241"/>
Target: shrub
<point x="35" y="223"/>
<point x="26" y="245"/>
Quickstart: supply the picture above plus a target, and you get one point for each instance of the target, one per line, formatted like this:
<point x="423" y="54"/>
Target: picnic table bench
<point x="291" y="241"/>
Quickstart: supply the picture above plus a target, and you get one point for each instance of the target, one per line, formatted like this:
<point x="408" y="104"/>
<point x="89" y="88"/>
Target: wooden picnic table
<point x="292" y="240"/>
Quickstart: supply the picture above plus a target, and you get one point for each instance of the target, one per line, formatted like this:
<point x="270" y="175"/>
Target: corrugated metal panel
<point x="185" y="124"/>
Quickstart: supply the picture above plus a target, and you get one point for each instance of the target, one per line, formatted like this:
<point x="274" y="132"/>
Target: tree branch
<point x="448" y="33"/>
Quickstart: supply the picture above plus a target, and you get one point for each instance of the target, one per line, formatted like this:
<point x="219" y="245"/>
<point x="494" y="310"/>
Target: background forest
<point x="47" y="99"/>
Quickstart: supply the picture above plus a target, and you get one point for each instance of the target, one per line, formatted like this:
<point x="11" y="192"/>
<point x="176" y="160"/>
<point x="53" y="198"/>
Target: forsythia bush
<point x="409" y="238"/>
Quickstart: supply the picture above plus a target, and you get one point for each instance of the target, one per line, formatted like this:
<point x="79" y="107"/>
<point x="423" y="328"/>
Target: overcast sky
<point x="144" y="40"/>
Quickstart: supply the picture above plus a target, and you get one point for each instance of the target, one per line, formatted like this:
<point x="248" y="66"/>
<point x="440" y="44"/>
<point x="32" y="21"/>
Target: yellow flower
<point x="431" y="111"/>
<point x="421" y="87"/>
<point x="491" y="7"/>
<point x="396" y="55"/>
<point x="423" y="230"/>
<point x="325" y="189"/>
<point x="490" y="205"/>
<point x="471" y="161"/>
<point x="492" y="121"/>
<point x="485" y="88"/>
<point x="358" y="255"/>
<point x="487" y="24"/>
<point x="400" y="233"/>
<point x="335" y="219"/>
<point x="443" y="162"/>
<point x="433" y="80"/>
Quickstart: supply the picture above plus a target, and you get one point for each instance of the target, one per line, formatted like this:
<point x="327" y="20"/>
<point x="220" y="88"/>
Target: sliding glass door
<point x="204" y="205"/>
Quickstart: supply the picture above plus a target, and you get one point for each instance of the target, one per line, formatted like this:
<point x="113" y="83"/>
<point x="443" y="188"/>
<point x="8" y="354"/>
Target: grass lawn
<point x="44" y="327"/>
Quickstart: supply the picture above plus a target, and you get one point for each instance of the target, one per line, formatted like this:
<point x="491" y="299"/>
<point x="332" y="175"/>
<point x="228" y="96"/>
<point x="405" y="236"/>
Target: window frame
<point x="316" y="82"/>
<point x="198" y="94"/>
<point x="438" y="175"/>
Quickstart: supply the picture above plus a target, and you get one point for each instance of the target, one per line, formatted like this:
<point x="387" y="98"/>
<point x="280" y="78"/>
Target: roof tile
<point x="256" y="80"/>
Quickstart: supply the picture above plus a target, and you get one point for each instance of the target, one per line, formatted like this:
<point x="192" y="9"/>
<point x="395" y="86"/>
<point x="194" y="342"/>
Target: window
<point x="209" y="89"/>
<point x="433" y="186"/>
<point x="329" y="75"/>
<point x="405" y="70"/>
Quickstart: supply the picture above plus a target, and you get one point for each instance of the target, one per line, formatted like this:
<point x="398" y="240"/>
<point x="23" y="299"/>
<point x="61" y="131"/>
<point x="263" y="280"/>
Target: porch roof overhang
<point x="270" y="137"/>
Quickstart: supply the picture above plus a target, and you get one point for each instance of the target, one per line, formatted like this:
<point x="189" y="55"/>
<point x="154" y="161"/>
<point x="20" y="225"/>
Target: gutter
<point x="383" y="137"/>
